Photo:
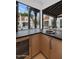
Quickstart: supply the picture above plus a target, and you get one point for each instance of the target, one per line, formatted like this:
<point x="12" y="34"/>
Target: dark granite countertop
<point x="57" y="34"/>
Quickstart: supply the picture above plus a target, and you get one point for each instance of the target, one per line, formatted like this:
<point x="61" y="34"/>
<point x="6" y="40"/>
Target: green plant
<point x="23" y="14"/>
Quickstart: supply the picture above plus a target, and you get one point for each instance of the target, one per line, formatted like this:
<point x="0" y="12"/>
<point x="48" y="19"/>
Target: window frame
<point x="28" y="16"/>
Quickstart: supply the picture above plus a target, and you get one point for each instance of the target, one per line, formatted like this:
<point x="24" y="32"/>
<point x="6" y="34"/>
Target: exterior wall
<point x="24" y="19"/>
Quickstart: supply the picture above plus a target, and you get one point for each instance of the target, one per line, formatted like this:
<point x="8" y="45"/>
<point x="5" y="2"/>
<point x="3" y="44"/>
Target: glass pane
<point x="45" y="21"/>
<point x="38" y="21"/>
<point x="32" y="20"/>
<point x="49" y="22"/>
<point x="60" y="23"/>
<point x="22" y="16"/>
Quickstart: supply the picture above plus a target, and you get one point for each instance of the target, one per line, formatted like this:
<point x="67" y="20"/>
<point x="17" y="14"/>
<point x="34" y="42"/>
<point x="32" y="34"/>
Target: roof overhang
<point x="54" y="10"/>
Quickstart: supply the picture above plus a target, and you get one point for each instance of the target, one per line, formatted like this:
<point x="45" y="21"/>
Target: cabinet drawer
<point x="21" y="39"/>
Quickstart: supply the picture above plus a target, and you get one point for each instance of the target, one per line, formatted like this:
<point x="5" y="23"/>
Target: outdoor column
<point x="41" y="19"/>
<point x="54" y="22"/>
<point x="29" y="17"/>
<point x="58" y="23"/>
<point x="35" y="20"/>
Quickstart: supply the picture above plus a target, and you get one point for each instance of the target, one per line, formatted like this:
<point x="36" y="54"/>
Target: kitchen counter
<point x="27" y="32"/>
<point x="57" y="34"/>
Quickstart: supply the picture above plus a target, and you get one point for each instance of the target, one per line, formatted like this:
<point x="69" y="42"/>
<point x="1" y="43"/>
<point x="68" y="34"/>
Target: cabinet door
<point x="22" y="47"/>
<point x="35" y="44"/>
<point x="56" y="49"/>
<point x="45" y="45"/>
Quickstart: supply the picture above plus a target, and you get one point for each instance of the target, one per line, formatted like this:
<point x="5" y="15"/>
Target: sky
<point x="22" y="8"/>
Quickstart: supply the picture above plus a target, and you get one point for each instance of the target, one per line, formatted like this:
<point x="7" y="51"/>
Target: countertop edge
<point x="38" y="33"/>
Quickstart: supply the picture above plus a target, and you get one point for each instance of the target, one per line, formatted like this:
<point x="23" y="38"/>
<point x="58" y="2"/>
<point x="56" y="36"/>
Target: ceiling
<point x="54" y="10"/>
<point x="39" y="4"/>
<point x="49" y="7"/>
<point x="46" y="3"/>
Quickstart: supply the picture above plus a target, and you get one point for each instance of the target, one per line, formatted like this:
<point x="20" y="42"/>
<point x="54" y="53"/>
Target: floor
<point x="39" y="56"/>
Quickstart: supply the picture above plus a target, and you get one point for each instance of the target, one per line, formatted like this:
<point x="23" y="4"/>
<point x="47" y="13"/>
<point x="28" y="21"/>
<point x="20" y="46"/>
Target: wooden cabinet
<point x="45" y="45"/>
<point x="35" y="44"/>
<point x="49" y="46"/>
<point x="22" y="47"/>
<point x="56" y="49"/>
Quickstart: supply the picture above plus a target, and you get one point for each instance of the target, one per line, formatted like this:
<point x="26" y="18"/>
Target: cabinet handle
<point x="30" y="43"/>
<point x="50" y="44"/>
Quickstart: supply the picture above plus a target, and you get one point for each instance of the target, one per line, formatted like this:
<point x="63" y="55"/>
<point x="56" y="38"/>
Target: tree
<point x="23" y="14"/>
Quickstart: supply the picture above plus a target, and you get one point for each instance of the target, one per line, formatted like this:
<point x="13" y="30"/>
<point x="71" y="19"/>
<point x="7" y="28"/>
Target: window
<point x="47" y="21"/>
<point x="22" y="16"/>
<point x="26" y="17"/>
<point x="60" y="23"/>
<point x="34" y="19"/>
<point x="38" y="20"/>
